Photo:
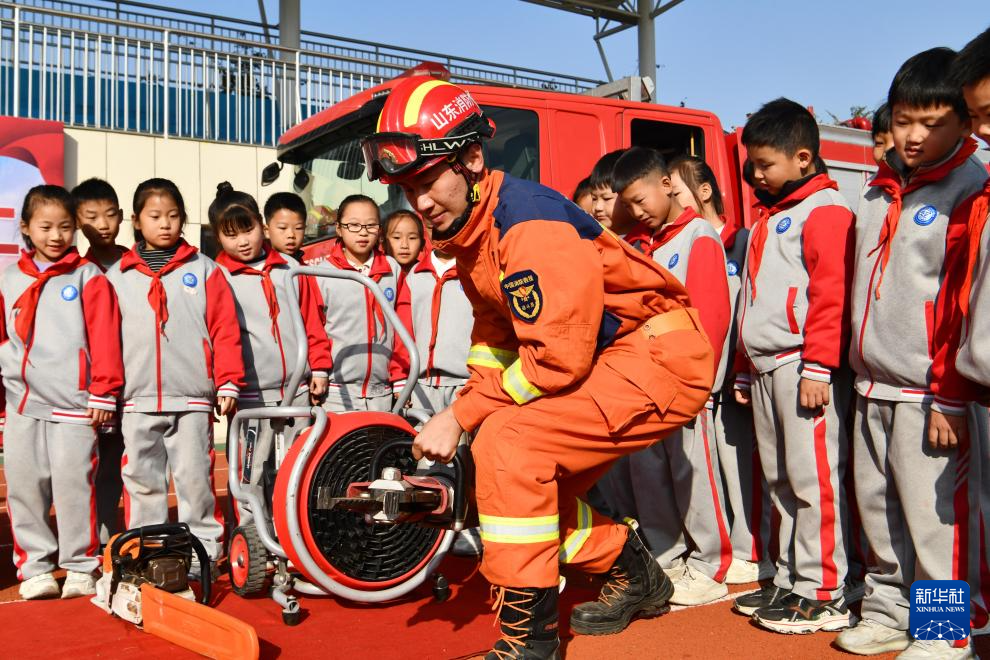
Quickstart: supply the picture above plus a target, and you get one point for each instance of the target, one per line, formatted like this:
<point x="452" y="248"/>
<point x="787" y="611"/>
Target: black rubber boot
<point x="634" y="588"/>
<point x="528" y="618"/>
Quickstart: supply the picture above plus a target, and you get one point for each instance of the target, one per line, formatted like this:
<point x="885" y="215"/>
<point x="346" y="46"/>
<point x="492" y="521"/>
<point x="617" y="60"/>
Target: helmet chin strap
<point x="473" y="195"/>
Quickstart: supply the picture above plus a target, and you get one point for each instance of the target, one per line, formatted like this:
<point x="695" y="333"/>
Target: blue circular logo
<point x="673" y="261"/>
<point x="189" y="280"/>
<point x="784" y="225"/>
<point x="390" y="294"/>
<point x="70" y="293"/>
<point x="925" y="216"/>
<point x="731" y="267"/>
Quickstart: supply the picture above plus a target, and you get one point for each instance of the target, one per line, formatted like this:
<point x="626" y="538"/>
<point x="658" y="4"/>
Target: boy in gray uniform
<point x="793" y="331"/>
<point x="915" y="475"/>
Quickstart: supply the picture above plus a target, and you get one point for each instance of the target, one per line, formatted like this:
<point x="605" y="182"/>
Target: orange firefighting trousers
<point x="534" y="462"/>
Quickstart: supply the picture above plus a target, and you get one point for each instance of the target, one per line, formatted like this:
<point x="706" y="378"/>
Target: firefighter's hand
<point x="814" y="393"/>
<point x="947" y="431"/>
<point x="439" y="438"/>
<point x="317" y="389"/>
<point x="99" y="417"/>
<point x="226" y="405"/>
<point x="743" y="397"/>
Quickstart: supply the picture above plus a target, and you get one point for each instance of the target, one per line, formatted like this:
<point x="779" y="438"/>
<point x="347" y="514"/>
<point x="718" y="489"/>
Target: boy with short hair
<point x="916" y="480"/>
<point x="98" y="215"/>
<point x="793" y="332"/>
<point x="880" y="131"/>
<point x="285" y="223"/>
<point x="674" y="488"/>
<point x="604" y="208"/>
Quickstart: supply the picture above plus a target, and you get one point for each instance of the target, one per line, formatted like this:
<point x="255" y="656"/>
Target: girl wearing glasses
<point x="364" y="348"/>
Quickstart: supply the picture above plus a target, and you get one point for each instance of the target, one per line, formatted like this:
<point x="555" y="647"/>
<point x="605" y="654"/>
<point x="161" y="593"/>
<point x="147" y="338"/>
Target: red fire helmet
<point x="423" y="122"/>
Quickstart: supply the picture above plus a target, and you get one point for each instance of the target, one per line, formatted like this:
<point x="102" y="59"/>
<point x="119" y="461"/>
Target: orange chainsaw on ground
<point x="146" y="576"/>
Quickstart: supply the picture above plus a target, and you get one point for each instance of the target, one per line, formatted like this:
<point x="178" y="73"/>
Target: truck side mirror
<point x="271" y="173"/>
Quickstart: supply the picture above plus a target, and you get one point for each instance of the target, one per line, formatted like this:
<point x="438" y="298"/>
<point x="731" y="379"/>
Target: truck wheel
<point x="248" y="573"/>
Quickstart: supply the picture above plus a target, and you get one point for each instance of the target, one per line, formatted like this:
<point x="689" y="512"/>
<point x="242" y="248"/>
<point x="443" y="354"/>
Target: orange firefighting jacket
<point x="550" y="288"/>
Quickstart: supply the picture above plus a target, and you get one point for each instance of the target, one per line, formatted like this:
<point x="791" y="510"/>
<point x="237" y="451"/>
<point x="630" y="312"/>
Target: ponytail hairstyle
<point x="233" y="211"/>
<point x="695" y="172"/>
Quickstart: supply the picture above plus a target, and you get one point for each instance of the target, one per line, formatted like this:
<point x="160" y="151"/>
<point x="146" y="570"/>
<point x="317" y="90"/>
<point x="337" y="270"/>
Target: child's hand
<point x="814" y="393"/>
<point x="743" y="397"/>
<point x="98" y="417"/>
<point x="317" y="389"/>
<point x="226" y="405"/>
<point x="946" y="431"/>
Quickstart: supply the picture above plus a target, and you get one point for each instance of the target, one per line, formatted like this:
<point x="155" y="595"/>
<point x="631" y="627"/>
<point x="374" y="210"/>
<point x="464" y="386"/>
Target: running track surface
<point x="416" y="627"/>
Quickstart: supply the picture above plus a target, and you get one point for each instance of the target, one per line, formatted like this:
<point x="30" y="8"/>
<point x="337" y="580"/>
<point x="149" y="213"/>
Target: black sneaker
<point x="794" y="614"/>
<point x="768" y="594"/>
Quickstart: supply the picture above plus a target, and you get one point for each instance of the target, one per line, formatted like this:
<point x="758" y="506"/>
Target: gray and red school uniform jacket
<point x="907" y="223"/>
<point x="735" y="242"/>
<point x="690" y="248"/>
<point x="60" y="340"/>
<point x="91" y="257"/>
<point x="182" y="343"/>
<point x="268" y="337"/>
<point x="366" y="354"/>
<point x="794" y="301"/>
<point x="440" y="318"/>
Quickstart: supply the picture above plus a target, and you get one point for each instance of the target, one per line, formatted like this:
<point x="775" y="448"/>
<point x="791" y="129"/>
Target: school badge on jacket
<point x="524" y="295"/>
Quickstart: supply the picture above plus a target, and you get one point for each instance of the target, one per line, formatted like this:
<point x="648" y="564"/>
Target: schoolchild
<point x="793" y="337"/>
<point x="582" y="195"/>
<point x="880" y="131"/>
<point x="285" y="223"/>
<point x="916" y="443"/>
<point x="361" y="340"/>
<point x="98" y="216"/>
<point x="675" y="485"/>
<point x="62" y="373"/>
<point x="603" y="197"/>
<point x="182" y="360"/>
<point x="404" y="239"/>
<point x="263" y="295"/>
<point x="695" y="187"/>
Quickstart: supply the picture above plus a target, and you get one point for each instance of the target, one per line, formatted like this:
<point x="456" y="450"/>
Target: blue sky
<point x="727" y="56"/>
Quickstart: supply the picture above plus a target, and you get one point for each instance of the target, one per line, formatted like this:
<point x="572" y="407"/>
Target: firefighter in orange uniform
<point x="583" y="350"/>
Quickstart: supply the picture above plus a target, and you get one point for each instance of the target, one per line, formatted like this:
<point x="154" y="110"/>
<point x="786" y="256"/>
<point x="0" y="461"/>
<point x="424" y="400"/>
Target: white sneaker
<point x="869" y="637"/>
<point x="468" y="543"/>
<point x="696" y="588"/>
<point x="40" y="586"/>
<point x="676" y="570"/>
<point x="939" y="649"/>
<point x="78" y="584"/>
<point x="742" y="571"/>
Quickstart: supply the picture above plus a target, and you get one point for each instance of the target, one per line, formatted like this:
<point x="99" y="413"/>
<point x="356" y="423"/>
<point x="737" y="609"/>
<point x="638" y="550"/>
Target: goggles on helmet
<point x="394" y="154"/>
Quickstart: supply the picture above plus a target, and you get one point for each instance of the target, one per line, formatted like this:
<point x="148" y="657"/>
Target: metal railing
<point x="128" y="66"/>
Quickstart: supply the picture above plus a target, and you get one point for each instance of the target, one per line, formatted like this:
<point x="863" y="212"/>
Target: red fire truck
<point x="550" y="137"/>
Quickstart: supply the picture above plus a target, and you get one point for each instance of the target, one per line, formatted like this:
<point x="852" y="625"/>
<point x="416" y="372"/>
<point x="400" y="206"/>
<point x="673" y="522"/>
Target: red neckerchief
<point x="91" y="256"/>
<point x="666" y="233"/>
<point x="379" y="268"/>
<point x="426" y="265"/>
<point x="272" y="259"/>
<point x="640" y="237"/>
<point x="156" y="292"/>
<point x="27" y="303"/>
<point x="891" y="183"/>
<point x="759" y="232"/>
<point x="979" y="207"/>
<point x="729" y="231"/>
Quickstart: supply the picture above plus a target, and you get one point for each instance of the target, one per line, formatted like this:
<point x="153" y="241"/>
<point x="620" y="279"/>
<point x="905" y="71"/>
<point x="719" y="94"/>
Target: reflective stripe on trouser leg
<point x="575" y="540"/>
<point x="538" y="529"/>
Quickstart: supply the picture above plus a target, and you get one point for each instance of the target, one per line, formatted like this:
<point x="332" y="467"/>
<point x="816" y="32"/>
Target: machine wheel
<point x="291" y="618"/>
<point x="248" y="574"/>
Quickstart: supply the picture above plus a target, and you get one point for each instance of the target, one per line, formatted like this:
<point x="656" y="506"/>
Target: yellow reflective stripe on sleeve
<point x="481" y="355"/>
<point x="497" y="529"/>
<point x="576" y="539"/>
<point x="515" y="384"/>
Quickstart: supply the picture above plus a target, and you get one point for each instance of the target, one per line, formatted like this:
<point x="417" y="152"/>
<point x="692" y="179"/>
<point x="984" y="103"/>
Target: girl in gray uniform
<point x="364" y="363"/>
<point x="53" y="301"/>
